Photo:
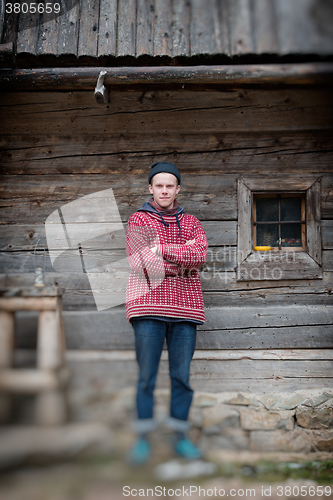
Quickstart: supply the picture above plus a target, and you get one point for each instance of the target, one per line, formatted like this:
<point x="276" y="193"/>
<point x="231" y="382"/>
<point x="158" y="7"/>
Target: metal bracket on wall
<point x="102" y="92"/>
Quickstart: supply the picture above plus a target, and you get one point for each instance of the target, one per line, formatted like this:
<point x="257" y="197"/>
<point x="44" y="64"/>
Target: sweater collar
<point x="176" y="211"/>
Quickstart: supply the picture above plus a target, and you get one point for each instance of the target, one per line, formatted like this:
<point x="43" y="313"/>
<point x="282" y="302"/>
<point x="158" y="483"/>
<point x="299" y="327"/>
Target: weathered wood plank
<point x="270" y="297"/>
<point x="224" y="27"/>
<point x="241" y="35"/>
<point x="327" y="234"/>
<point x="313" y="337"/>
<point x="287" y="384"/>
<point x="225" y="281"/>
<point x="161" y="100"/>
<point x="315" y="115"/>
<point x="27" y="35"/>
<point x="69" y="31"/>
<point x="313" y="227"/>
<point x="79" y="328"/>
<point x="133" y="153"/>
<point x="244" y="230"/>
<point x="2" y="18"/>
<point x="205" y="28"/>
<point x="10" y="28"/>
<point x="145" y="27"/>
<point x="272" y="316"/>
<point x="289" y="109"/>
<point x="88" y="28"/>
<point x="81" y="297"/>
<point x="217" y="274"/>
<point x="215" y="376"/>
<point x="327" y="260"/>
<point x="205" y="354"/>
<point x="181" y="28"/>
<point x="230" y="75"/>
<point x="48" y="37"/>
<point x="220" y="281"/>
<point x="219" y="260"/>
<point x="303" y="26"/>
<point x="24" y="237"/>
<point x="126" y="33"/>
<point x="261" y="369"/>
<point x="264" y="27"/>
<point x="217" y="318"/>
<point x="163" y="28"/>
<point x="107" y="32"/>
<point x="201" y="196"/>
<point x="279" y="182"/>
<point x="59" y="159"/>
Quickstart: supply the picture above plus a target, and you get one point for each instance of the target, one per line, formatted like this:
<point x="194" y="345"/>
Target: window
<point x="283" y="213"/>
<point x="279" y="220"/>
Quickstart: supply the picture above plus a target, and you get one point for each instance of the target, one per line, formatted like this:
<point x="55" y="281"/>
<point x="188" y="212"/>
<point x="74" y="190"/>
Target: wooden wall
<point x="59" y="146"/>
<point x="101" y="30"/>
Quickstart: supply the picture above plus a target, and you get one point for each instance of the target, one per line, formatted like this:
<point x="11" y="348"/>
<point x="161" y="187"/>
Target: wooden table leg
<point x="51" y="408"/>
<point x="7" y="331"/>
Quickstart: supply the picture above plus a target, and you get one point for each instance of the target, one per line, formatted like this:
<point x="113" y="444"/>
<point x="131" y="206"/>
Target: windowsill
<point x="278" y="265"/>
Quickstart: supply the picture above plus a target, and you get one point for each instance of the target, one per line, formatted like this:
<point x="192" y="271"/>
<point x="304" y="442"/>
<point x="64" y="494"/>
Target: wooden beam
<point x="7" y="332"/>
<point x="28" y="381"/>
<point x="226" y="354"/>
<point x="85" y="78"/>
<point x="2" y="18"/>
<point x="28" y="303"/>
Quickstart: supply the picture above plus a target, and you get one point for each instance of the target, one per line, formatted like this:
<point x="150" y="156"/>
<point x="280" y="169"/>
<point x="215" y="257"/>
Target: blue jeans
<point x="149" y="340"/>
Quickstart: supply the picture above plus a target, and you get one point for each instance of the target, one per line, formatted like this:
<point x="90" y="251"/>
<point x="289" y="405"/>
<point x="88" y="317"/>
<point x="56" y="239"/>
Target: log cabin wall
<point x="59" y="146"/>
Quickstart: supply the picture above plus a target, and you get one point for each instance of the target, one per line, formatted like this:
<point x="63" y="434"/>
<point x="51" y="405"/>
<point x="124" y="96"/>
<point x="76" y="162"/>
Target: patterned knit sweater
<point x="166" y="283"/>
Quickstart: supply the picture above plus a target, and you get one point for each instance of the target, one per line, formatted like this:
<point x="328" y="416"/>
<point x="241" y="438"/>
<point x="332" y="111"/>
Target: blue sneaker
<point x="140" y="452"/>
<point x="186" y="449"/>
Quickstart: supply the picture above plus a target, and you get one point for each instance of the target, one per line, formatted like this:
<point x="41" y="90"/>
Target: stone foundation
<point x="301" y="421"/>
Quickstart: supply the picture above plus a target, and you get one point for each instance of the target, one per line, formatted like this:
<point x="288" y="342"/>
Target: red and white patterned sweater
<point x="166" y="283"/>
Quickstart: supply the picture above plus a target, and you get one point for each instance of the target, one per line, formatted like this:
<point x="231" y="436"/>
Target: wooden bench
<point x="48" y="380"/>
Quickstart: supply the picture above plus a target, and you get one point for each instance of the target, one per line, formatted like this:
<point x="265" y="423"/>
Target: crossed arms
<point x="147" y="255"/>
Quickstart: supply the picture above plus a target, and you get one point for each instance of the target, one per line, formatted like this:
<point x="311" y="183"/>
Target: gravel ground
<point x="222" y="473"/>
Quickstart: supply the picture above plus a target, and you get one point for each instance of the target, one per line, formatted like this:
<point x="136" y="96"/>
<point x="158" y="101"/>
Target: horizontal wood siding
<point x="58" y="146"/>
<point x="208" y="375"/>
<point x="95" y="375"/>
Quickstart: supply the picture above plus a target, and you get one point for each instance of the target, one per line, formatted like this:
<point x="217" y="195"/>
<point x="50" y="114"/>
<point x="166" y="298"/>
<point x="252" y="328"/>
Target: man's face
<point x="164" y="189"/>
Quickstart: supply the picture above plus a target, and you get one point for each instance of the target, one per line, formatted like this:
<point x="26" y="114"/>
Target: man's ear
<point x="150" y="189"/>
<point x="178" y="189"/>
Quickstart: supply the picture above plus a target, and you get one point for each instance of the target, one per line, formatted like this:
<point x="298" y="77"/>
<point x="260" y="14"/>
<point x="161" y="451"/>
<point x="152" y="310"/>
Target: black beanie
<point x="163" y="166"/>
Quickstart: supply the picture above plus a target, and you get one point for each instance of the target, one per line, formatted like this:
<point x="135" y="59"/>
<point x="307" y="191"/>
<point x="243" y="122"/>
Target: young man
<point x="165" y="248"/>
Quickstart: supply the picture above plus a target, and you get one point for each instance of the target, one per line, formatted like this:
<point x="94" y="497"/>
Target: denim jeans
<point x="149" y="340"/>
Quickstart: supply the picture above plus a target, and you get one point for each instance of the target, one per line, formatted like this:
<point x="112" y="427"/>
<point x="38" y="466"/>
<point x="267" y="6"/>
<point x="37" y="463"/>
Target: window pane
<point x="291" y="208"/>
<point x="291" y="235"/>
<point x="267" y="234"/>
<point x="267" y="209"/>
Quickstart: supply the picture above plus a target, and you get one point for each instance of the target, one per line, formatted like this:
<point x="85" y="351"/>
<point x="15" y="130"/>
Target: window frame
<point x="253" y="265"/>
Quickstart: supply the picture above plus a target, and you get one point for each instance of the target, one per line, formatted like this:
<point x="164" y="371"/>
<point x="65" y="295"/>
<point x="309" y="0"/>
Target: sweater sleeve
<point x="139" y="240"/>
<point x="188" y="256"/>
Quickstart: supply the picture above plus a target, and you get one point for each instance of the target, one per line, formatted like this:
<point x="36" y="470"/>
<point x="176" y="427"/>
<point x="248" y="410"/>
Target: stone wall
<point x="301" y="421"/>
